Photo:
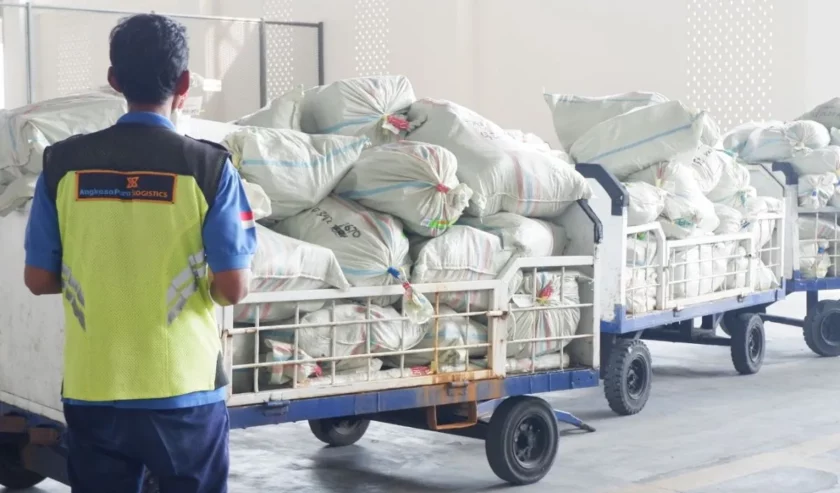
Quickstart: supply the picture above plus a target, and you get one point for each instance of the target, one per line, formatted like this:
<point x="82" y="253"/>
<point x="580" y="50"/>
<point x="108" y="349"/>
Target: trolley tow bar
<point x="485" y="410"/>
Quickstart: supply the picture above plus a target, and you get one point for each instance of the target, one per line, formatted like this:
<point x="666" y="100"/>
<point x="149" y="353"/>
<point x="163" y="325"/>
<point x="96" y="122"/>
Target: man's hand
<point x="40" y="281"/>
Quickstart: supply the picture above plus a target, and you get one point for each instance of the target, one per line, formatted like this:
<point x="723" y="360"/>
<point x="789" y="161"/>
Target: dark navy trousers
<point x="185" y="449"/>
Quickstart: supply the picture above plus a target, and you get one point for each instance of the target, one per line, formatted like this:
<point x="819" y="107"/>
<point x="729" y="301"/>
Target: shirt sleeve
<point x="43" y="239"/>
<point x="229" y="234"/>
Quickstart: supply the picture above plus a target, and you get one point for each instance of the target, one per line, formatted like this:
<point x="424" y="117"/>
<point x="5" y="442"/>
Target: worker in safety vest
<point x="141" y="229"/>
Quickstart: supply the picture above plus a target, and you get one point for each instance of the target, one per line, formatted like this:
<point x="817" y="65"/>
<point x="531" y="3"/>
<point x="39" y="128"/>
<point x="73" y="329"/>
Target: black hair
<point x="149" y="53"/>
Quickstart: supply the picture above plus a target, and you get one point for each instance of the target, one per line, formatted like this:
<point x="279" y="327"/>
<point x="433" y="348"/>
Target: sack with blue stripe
<point x="296" y="170"/>
<point x="641" y="138"/>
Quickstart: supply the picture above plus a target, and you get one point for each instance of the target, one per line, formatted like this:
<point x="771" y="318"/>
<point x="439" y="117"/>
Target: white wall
<point x="495" y="56"/>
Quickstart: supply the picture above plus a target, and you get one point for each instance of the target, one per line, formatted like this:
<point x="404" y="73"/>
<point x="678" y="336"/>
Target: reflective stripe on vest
<point x="185" y="285"/>
<point x="73" y="293"/>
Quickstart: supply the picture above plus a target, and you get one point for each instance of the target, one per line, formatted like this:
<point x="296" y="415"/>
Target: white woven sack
<point x="708" y="165"/>
<point x="816" y="161"/>
<point x="827" y="113"/>
<point x="413" y="181"/>
<point x="504" y="174"/>
<point x="673" y="177"/>
<point x="641" y="250"/>
<point x="814" y="191"/>
<point x="763" y="277"/>
<point x="688" y="216"/>
<point x="635" y="140"/>
<point x="700" y="270"/>
<point x="368" y="245"/>
<point x="358" y="107"/>
<point x="640" y="286"/>
<point x="286" y="264"/>
<point x="530" y="237"/>
<point x="814" y="260"/>
<point x="537" y="143"/>
<point x="734" y="178"/>
<point x="387" y="333"/>
<point x="17" y="194"/>
<point x="296" y="170"/>
<point x="26" y="131"/>
<point x="448" y="331"/>
<point x="711" y="131"/>
<point x="812" y="229"/>
<point x="553" y="291"/>
<point x="782" y="142"/>
<point x="646" y="202"/>
<point x="835" y="136"/>
<point x="574" y="115"/>
<point x="282" y="112"/>
<point x="463" y="254"/>
<point x="731" y="219"/>
<point x="735" y="140"/>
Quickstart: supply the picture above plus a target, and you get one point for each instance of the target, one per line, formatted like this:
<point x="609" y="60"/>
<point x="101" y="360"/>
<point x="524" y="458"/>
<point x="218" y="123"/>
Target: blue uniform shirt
<point x="227" y="245"/>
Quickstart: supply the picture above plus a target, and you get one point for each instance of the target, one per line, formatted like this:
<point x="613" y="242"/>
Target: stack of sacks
<point x="530" y="237"/>
<point x="504" y="174"/>
<point x="447" y="332"/>
<point x="373" y="107"/>
<point x="807" y="145"/>
<point x="25" y="132"/>
<point x="413" y="181"/>
<point x="674" y="169"/>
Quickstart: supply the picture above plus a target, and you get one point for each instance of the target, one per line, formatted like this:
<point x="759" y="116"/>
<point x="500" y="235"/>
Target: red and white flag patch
<point x="247" y="219"/>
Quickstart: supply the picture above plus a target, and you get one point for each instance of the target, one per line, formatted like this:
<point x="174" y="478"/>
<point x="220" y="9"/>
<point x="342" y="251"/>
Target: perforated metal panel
<point x="74" y="54"/>
<point x="280" y="48"/>
<point x="730" y="58"/>
<point x="373" y="55"/>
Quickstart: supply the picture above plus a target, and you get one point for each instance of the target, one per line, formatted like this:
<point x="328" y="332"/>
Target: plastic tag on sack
<point x="395" y="124"/>
<point x="417" y="307"/>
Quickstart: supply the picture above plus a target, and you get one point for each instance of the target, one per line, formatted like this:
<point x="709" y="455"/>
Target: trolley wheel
<point x="748" y="342"/>
<point x="522" y="439"/>
<point x="339" y="432"/>
<point x="628" y="377"/>
<point x="12" y="473"/>
<point x="822" y="329"/>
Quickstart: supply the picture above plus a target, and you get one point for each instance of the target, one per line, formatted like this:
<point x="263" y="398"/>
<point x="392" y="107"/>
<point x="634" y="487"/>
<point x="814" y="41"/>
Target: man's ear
<point x="182" y="87"/>
<point x="112" y="80"/>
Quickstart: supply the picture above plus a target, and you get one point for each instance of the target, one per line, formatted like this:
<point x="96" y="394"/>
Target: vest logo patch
<point x="142" y="186"/>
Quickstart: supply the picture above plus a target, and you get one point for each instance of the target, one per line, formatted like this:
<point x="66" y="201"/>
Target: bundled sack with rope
<point x="296" y="170"/>
<point x="574" y="115"/>
<point x="413" y="181"/>
<point x="557" y="295"/>
<point x="464" y="254"/>
<point x="287" y="264"/>
<point x="373" y="107"/>
<point x="816" y="161"/>
<point x="530" y="237"/>
<point x="815" y="191"/>
<point x="505" y="175"/>
<point x="783" y="142"/>
<point x="349" y="327"/>
<point x="447" y="332"/>
<point x="28" y="130"/>
<point x="369" y="246"/>
<point x="641" y="138"/>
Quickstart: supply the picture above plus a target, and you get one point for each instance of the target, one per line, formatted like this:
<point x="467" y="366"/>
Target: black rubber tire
<point x="822" y="329"/>
<point x="521" y="426"/>
<point x="629" y="375"/>
<point x="12" y="473"/>
<point x="723" y="326"/>
<point x="748" y="342"/>
<point x="339" y="432"/>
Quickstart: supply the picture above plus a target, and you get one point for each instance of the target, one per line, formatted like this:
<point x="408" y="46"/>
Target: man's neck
<point x="160" y="109"/>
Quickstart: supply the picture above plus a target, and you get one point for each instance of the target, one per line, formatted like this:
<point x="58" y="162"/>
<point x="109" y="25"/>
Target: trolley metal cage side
<point x="266" y="29"/>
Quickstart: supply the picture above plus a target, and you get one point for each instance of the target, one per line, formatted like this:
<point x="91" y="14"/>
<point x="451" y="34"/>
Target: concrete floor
<point x="705" y="430"/>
